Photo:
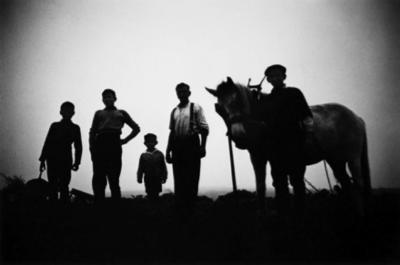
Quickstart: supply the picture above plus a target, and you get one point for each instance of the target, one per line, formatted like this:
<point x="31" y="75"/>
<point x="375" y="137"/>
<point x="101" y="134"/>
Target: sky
<point x="53" y="51"/>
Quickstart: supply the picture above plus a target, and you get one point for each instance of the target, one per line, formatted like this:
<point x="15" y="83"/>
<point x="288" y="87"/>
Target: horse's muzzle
<point x="238" y="135"/>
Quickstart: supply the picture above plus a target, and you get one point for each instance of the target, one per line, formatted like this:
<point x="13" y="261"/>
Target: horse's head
<point x="234" y="107"/>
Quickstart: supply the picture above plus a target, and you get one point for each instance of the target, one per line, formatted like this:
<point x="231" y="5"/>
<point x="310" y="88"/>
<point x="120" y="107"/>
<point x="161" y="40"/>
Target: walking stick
<point x="232" y="162"/>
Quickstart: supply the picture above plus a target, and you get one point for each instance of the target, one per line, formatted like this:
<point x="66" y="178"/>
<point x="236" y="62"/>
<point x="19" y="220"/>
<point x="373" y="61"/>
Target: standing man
<point x="185" y="148"/>
<point x="106" y="145"/>
<point x="291" y="116"/>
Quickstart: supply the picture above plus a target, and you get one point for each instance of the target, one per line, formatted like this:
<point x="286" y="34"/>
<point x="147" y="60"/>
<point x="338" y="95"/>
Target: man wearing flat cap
<point x="291" y="115"/>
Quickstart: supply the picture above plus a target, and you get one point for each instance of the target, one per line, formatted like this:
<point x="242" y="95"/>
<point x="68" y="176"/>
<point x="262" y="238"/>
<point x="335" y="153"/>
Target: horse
<point x="338" y="137"/>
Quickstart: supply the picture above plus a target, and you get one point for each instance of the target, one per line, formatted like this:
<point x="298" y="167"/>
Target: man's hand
<point x="75" y="167"/>
<point x="202" y="152"/>
<point x="42" y="166"/>
<point x="139" y="180"/>
<point x="124" y="141"/>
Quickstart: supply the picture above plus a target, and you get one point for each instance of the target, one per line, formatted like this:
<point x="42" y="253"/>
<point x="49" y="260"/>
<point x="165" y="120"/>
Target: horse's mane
<point x="229" y="88"/>
<point x="226" y="86"/>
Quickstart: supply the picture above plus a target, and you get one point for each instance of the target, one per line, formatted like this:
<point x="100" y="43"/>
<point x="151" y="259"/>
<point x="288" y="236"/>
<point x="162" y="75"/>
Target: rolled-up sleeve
<point x="201" y="120"/>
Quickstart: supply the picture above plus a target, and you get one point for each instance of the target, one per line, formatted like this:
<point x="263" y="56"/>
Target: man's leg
<point x="280" y="183"/>
<point x="297" y="182"/>
<point x="179" y="177"/>
<point x="99" y="180"/>
<point x="64" y="184"/>
<point x="114" y="172"/>
<point x="193" y="177"/>
<point x="52" y="174"/>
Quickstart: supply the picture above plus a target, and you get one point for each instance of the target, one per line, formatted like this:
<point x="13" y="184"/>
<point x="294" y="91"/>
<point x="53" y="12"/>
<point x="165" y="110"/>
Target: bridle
<point x="230" y="119"/>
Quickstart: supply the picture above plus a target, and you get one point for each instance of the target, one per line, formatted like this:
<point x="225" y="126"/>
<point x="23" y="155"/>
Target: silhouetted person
<point x="290" y="114"/>
<point x="106" y="145"/>
<point x="57" y="152"/>
<point x="152" y="166"/>
<point x="185" y="149"/>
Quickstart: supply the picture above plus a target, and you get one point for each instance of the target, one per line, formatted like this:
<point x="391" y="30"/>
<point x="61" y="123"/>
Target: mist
<point x="54" y="51"/>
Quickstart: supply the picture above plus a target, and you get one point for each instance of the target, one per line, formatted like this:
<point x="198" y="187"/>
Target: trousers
<point x="186" y="164"/>
<point x="107" y="164"/>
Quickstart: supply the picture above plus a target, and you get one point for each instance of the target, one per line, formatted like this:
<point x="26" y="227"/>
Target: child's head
<point x="109" y="97"/>
<point x="67" y="110"/>
<point x="150" y="140"/>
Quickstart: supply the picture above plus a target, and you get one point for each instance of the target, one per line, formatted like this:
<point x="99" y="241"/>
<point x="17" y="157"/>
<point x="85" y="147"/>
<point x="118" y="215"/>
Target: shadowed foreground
<point x="225" y="230"/>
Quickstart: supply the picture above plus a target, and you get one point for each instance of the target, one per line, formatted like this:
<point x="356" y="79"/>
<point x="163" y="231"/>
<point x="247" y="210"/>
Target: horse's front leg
<point x="259" y="162"/>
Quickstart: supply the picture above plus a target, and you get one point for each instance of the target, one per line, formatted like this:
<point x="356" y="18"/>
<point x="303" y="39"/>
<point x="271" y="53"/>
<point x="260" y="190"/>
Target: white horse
<point x="339" y="137"/>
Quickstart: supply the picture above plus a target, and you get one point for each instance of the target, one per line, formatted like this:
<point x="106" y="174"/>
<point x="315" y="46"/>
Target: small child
<point x="152" y="166"/>
<point x="57" y="152"/>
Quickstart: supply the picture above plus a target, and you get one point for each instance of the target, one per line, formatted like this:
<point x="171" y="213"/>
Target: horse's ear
<point x="212" y="91"/>
<point x="229" y="80"/>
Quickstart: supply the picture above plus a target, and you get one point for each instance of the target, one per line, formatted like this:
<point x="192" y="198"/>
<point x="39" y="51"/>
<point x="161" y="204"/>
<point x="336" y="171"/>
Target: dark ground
<point x="222" y="231"/>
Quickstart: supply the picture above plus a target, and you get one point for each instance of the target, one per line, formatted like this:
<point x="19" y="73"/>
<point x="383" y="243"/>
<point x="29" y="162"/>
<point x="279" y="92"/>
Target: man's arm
<point x="78" y="148"/>
<point x="164" y="170"/>
<point x="93" y="131"/>
<point x="171" y="136"/>
<point x="45" y="149"/>
<point x="304" y="112"/>
<point x="168" y="152"/>
<point x="203" y="129"/>
<point x="135" y="128"/>
<point x="140" y="170"/>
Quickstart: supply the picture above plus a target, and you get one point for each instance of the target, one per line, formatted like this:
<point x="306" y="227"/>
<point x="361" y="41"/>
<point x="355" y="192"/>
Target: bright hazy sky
<point x="53" y="51"/>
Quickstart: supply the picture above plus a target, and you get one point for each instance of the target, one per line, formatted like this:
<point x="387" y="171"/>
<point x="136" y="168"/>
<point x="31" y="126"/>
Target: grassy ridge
<point x="224" y="230"/>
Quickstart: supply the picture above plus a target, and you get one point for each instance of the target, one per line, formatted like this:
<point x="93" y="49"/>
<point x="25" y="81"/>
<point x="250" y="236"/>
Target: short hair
<point x="275" y="67"/>
<point x="67" y="105"/>
<point x="109" y="91"/>
<point x="182" y="86"/>
<point x="150" y="137"/>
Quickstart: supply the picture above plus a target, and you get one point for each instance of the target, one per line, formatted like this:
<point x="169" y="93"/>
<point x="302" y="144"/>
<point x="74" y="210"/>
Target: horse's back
<point x="338" y="132"/>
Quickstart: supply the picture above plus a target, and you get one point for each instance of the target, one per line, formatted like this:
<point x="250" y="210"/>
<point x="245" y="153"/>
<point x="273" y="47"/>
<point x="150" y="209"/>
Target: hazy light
<point x="57" y="50"/>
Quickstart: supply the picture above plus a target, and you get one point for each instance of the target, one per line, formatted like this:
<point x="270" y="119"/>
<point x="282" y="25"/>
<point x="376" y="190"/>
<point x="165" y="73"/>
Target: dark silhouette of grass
<point x="229" y="229"/>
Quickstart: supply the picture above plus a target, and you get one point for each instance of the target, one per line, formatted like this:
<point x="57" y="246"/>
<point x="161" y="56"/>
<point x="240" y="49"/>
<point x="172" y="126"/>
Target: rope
<point x="327" y="176"/>
<point x="311" y="185"/>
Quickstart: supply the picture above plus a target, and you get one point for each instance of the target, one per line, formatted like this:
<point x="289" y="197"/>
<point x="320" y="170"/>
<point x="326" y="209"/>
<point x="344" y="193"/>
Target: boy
<point x="57" y="152"/>
<point x="105" y="145"/>
<point x="152" y="166"/>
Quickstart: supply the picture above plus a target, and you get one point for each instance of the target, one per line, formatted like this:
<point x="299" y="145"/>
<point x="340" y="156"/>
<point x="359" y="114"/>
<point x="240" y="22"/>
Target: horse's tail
<point x="365" y="171"/>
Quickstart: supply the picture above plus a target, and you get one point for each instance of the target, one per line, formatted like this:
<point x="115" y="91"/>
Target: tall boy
<point x="57" y="152"/>
<point x="152" y="166"/>
<point x="291" y="115"/>
<point x="106" y="145"/>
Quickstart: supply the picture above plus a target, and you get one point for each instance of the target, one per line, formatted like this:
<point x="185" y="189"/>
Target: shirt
<point x="180" y="120"/>
<point x="59" y="140"/>
<point x="110" y="120"/>
<point x="152" y="165"/>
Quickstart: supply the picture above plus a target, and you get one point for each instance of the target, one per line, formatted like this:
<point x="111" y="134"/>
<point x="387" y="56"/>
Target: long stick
<point x="232" y="163"/>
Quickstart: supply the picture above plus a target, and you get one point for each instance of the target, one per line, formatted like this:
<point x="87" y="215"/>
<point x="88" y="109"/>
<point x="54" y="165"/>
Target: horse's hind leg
<point x="339" y="170"/>
<point x="259" y="165"/>
<point x="355" y="170"/>
<point x="356" y="173"/>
